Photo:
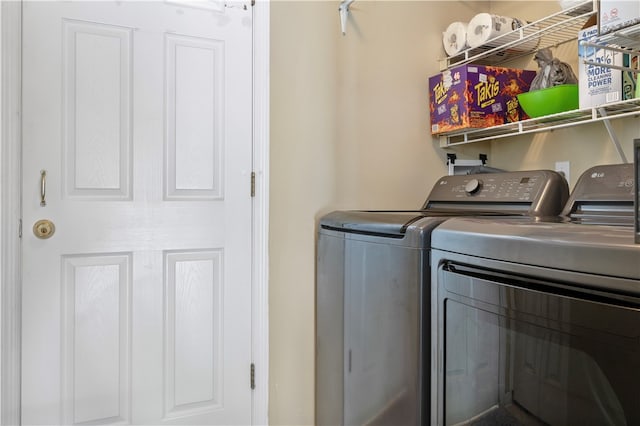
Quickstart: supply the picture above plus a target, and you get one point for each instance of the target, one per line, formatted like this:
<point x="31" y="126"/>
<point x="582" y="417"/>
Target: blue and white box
<point x="598" y="85"/>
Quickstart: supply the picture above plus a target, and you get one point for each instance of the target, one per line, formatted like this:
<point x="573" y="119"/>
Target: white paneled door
<point x="137" y="136"/>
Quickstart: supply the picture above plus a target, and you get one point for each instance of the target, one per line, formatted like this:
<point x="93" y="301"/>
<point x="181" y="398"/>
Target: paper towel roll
<point x="454" y="38"/>
<point x="485" y="27"/>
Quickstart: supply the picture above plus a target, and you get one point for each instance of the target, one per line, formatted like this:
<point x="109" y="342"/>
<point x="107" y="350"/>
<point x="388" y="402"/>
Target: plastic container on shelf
<point x="551" y="100"/>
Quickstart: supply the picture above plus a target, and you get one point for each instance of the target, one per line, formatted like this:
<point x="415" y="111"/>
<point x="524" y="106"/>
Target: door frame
<point x="10" y="211"/>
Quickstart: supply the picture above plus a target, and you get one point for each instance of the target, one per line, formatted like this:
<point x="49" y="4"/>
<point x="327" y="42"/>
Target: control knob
<point x="473" y="186"/>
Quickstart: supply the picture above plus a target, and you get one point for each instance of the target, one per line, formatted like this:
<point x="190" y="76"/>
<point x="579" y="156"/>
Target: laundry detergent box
<point x="617" y="14"/>
<point x="629" y="78"/>
<point x="597" y="84"/>
<point x="476" y="96"/>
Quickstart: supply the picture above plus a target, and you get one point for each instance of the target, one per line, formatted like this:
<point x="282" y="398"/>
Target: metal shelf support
<point x="612" y="135"/>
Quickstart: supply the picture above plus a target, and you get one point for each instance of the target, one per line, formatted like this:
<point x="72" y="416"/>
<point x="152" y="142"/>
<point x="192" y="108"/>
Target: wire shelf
<point x="626" y="41"/>
<point x="628" y="37"/>
<point x="550" y="31"/>
<point x="547" y="123"/>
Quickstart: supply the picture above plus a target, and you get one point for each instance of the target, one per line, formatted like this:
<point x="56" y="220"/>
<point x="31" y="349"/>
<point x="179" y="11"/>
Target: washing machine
<point x="373" y="290"/>
<point x="537" y="321"/>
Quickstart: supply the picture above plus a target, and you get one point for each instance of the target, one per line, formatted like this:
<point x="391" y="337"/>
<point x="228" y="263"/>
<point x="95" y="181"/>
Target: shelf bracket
<point x="344" y="14"/>
<point x="451" y="158"/>
<point x="612" y="135"/>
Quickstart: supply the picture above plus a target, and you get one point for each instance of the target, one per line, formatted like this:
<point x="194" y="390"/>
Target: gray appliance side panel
<point x="382" y="333"/>
<point x="592" y="249"/>
<point x="368" y="327"/>
<point x="437" y="344"/>
<point x="330" y="274"/>
<point x="636" y="192"/>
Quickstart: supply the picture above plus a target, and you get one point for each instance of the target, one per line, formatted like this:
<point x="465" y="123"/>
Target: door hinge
<point x="20" y="228"/>
<point x="253" y="376"/>
<point x="253" y="184"/>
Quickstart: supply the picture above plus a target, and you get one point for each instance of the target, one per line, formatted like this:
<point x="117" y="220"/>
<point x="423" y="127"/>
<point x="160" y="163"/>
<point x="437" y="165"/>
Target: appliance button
<point x="473" y="186"/>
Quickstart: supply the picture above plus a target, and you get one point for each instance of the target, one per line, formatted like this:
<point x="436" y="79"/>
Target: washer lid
<point x="392" y="223"/>
<point x="596" y="249"/>
<point x="382" y="223"/>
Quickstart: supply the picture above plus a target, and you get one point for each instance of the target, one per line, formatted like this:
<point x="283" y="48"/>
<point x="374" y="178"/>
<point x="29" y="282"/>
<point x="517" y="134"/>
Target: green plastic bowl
<point x="551" y="100"/>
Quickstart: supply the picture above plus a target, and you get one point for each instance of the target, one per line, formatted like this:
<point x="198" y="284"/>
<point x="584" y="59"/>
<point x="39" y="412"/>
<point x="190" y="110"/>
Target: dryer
<point x="373" y="289"/>
<point x="538" y="321"/>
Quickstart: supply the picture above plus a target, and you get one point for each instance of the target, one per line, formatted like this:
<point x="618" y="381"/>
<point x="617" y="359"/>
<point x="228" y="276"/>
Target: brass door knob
<point x="44" y="229"/>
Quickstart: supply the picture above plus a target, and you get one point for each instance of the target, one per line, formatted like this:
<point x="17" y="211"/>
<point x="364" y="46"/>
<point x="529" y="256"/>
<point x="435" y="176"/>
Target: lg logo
<point x="595" y="175"/>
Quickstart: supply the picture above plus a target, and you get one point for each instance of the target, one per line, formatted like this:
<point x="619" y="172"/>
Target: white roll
<point x="577" y="11"/>
<point x="454" y="38"/>
<point x="485" y="27"/>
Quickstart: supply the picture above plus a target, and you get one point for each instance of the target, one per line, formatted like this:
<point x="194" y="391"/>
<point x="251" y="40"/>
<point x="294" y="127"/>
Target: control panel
<point x="603" y="191"/>
<point x="536" y="192"/>
<point x="610" y="182"/>
<point x="489" y="187"/>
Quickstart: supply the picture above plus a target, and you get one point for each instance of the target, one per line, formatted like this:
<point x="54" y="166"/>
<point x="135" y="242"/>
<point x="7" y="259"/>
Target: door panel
<point x="137" y="309"/>
<point x="96" y="108"/>
<point x="95" y="339"/>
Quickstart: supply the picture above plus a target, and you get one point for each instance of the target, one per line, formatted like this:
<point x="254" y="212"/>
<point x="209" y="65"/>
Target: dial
<point x="473" y="186"/>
